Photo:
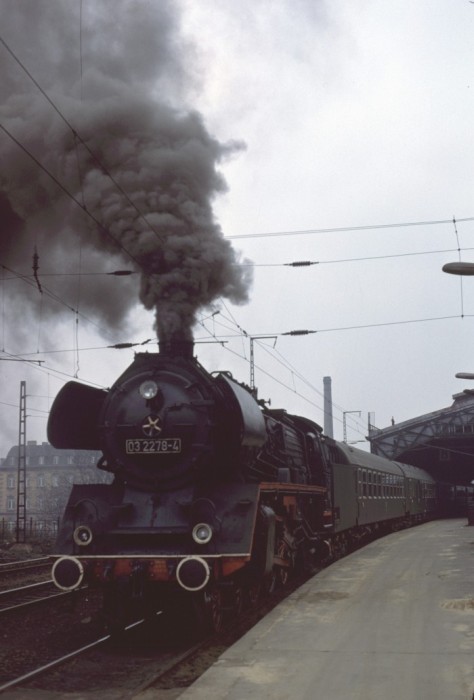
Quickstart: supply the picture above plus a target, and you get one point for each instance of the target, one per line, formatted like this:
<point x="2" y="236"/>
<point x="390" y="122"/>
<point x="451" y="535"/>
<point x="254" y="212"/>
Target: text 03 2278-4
<point x="147" y="446"/>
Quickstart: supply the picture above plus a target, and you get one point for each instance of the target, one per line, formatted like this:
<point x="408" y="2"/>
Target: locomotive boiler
<point x="214" y="497"/>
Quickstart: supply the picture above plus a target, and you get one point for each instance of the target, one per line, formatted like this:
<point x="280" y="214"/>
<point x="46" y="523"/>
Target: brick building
<point x="50" y="474"/>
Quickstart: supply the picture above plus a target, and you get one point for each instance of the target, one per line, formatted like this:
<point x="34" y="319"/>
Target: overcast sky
<point x="354" y="116"/>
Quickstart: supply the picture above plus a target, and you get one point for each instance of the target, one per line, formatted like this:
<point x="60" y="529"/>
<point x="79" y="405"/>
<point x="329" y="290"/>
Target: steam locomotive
<point x="214" y="497"/>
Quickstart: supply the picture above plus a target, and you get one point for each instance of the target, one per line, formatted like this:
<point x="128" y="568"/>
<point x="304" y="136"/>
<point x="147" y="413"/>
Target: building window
<point x="11" y="482"/>
<point x="10" y="503"/>
<point x="55" y="480"/>
<point x="41" y="460"/>
<point x="41" y="481"/>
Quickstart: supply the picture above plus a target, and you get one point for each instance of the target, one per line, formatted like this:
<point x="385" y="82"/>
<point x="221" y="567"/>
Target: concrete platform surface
<point x="393" y="620"/>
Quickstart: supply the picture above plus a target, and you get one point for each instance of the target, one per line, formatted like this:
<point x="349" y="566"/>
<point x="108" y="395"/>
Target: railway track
<point x="24" y="565"/>
<point x="61" y="650"/>
<point x="44" y="668"/>
<point x="21" y="573"/>
<point x="30" y="594"/>
<point x="163" y="663"/>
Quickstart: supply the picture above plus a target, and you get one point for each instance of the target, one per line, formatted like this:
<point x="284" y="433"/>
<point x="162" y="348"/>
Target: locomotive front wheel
<point x="286" y="556"/>
<point x="252" y="594"/>
<point x="237" y="601"/>
<point x="209" y="609"/>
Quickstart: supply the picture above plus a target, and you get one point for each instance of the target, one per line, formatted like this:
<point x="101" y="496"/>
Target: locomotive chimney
<point x="177" y="348"/>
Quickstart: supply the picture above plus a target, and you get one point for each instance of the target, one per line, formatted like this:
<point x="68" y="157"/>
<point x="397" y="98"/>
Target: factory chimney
<point x="328" y="426"/>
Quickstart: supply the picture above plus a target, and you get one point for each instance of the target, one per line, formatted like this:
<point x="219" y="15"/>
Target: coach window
<point x="364" y="483"/>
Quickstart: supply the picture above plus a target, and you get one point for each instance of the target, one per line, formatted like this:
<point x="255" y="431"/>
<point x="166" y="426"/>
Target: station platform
<point x="392" y="620"/>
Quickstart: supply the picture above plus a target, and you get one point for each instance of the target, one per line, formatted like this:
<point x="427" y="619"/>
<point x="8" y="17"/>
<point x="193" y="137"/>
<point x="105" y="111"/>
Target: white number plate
<point x="144" y="446"/>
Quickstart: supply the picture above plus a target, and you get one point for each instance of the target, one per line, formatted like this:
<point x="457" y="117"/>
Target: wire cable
<point x="344" y="229"/>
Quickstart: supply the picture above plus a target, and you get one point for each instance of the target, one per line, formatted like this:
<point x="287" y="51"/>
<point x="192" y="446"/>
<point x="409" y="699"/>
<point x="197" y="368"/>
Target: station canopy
<point x="442" y="442"/>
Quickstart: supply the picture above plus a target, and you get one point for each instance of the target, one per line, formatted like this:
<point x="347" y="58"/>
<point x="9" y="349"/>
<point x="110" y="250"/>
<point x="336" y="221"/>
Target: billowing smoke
<point x="133" y="184"/>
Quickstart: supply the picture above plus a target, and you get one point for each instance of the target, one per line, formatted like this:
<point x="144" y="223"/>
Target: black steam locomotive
<point x="214" y="497"/>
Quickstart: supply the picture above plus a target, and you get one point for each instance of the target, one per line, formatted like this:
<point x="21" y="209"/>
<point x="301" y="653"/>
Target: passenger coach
<point x="371" y="492"/>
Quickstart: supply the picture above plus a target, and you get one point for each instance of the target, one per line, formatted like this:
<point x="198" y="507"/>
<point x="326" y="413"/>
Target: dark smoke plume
<point x="124" y="93"/>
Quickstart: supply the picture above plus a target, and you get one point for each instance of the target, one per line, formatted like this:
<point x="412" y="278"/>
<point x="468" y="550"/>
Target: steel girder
<point x="451" y="423"/>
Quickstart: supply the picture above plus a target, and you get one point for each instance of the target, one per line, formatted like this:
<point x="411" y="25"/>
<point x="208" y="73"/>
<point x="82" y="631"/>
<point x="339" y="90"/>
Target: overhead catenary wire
<point x="244" y="334"/>
<point x="366" y="227"/>
<point x="347" y="229"/>
<point x="280" y="382"/>
<point x="359" y="326"/>
<point x="28" y="280"/>
<point x="365" y="258"/>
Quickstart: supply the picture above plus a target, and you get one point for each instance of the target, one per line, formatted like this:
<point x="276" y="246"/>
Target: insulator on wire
<point x="299" y="332"/>
<point x="302" y="263"/>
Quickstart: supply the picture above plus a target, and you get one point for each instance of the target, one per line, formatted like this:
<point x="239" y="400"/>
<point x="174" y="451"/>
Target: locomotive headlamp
<point x="148" y="389"/>
<point x="82" y="535"/>
<point x="202" y="533"/>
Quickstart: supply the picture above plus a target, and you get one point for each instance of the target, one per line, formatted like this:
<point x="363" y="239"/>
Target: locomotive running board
<point x="303" y="489"/>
